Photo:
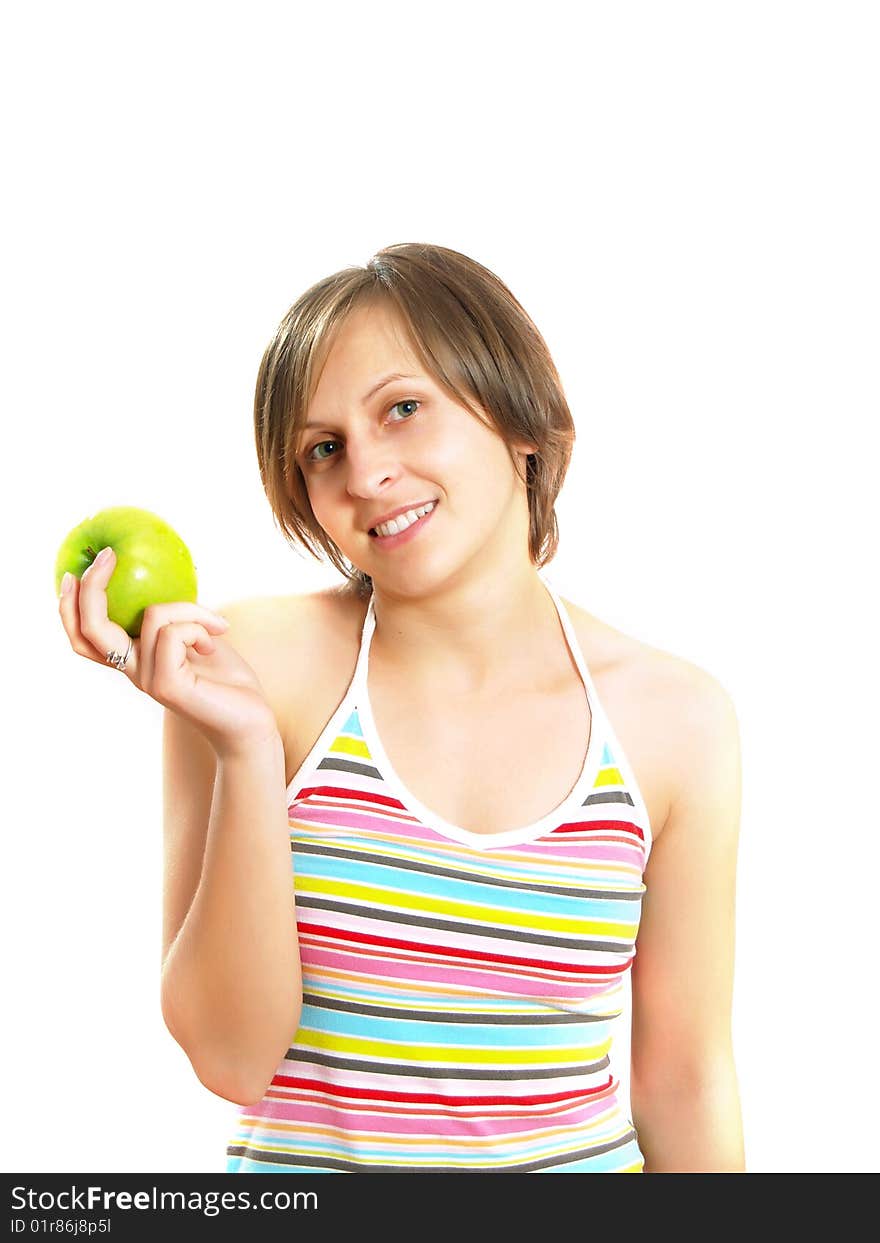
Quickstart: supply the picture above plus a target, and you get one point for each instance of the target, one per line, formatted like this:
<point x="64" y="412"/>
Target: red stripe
<point x="590" y="826"/>
<point x="342" y="934"/>
<point x="360" y="796"/>
<point x="425" y="1098"/>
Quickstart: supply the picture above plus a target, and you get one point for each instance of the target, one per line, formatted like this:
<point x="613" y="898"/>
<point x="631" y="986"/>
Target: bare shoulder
<point x="666" y="709"/>
<point x="303" y="649"/>
<point x="268" y="617"/>
<point x="282" y="635"/>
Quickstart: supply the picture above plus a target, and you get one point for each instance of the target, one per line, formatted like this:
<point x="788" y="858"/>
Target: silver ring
<point x="117" y="661"/>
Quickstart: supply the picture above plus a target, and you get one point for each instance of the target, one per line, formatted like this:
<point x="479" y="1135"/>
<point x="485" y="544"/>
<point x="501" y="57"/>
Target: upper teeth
<point x="402" y="521"/>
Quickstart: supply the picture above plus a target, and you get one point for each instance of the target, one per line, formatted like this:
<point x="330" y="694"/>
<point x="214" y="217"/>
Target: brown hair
<point x="471" y="335"/>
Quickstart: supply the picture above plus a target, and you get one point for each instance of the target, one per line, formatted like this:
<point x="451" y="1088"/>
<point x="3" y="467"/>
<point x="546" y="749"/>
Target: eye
<point x="314" y="456"/>
<point x="407" y="401"/>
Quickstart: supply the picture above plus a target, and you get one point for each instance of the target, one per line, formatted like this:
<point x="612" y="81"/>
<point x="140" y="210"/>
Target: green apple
<point x="153" y="564"/>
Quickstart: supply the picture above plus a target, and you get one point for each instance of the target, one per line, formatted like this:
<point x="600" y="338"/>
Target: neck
<point x="468" y="638"/>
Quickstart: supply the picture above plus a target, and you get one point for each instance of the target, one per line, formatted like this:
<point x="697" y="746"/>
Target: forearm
<point x="694" y="1128"/>
<point x="231" y="982"/>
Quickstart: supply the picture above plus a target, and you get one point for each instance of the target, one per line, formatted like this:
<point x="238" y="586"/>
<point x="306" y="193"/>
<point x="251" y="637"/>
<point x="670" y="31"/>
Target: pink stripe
<point x="609" y="852"/>
<point x="546" y="852"/>
<point x="429" y="1123"/>
<point x="474" y="980"/>
<point x="338" y="817"/>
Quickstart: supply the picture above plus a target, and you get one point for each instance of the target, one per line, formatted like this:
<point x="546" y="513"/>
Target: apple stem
<point x="90" y="552"/>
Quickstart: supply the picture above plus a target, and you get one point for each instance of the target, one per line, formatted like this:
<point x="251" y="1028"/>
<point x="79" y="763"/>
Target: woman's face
<point x="408" y="443"/>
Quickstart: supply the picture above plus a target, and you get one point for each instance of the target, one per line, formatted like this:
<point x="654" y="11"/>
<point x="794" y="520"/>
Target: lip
<point x="386" y="543"/>
<point x="403" y="509"/>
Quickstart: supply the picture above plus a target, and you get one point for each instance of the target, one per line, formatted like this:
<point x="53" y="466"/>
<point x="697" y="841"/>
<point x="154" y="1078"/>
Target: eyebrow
<point x="380" y="384"/>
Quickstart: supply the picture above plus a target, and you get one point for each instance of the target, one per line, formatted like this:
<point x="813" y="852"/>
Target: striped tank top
<point x="460" y="990"/>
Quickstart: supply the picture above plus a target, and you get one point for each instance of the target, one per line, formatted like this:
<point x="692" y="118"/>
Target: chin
<point x="410" y="580"/>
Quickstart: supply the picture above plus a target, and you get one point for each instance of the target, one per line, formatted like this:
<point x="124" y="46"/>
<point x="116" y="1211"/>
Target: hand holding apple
<point x="175" y="655"/>
<point x="153" y="564"/>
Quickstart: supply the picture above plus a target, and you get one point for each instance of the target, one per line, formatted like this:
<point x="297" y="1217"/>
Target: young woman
<point x="487" y="798"/>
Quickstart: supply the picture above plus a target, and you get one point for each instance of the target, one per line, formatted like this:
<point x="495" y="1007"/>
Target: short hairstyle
<point x="471" y="335"/>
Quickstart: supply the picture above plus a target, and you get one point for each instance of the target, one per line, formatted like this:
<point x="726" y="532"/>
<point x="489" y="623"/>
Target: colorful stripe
<point x="460" y="1000"/>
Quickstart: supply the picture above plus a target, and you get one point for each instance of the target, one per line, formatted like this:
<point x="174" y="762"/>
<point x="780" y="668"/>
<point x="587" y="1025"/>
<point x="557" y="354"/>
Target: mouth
<point x="396" y="526"/>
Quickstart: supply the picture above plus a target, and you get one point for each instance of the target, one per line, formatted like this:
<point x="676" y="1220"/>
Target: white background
<point x="684" y="197"/>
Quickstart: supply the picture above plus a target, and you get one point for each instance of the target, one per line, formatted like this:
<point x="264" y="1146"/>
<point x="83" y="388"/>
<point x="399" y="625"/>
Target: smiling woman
<point x="405" y="883"/>
<point x="466" y="339"/>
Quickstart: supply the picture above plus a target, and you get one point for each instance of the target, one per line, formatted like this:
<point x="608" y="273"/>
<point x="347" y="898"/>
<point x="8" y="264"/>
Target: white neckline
<point x="508" y="837"/>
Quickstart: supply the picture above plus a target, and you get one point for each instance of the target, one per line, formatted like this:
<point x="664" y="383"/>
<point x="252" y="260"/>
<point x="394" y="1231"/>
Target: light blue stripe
<point x="568" y="1036"/>
<point x="542" y="869"/>
<point x="352" y="726"/>
<point x="617" y="1159"/>
<point x="494" y="896"/>
<point x="453" y="1005"/>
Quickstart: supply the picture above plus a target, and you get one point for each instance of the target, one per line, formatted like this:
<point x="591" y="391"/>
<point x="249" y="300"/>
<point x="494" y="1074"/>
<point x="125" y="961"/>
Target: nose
<point x="370" y="467"/>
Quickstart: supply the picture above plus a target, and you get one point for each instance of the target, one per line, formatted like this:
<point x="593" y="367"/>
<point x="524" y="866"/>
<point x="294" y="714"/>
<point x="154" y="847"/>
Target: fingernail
<point x="66" y="582"/>
<point x="103" y="556"/>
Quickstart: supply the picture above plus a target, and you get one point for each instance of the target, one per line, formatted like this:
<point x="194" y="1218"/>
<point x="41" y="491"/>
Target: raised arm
<point x="230" y="987"/>
<point x="684" y="1090"/>
<point x="231" y="991"/>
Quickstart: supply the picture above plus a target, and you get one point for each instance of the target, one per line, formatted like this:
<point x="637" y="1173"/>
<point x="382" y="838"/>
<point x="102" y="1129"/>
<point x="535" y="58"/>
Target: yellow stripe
<point x="348" y="745"/>
<point x="373" y="895"/>
<point x="307" y="1038"/>
<point x="609" y="776"/>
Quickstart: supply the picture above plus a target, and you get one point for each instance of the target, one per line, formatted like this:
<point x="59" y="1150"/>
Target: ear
<point x="524" y="447"/>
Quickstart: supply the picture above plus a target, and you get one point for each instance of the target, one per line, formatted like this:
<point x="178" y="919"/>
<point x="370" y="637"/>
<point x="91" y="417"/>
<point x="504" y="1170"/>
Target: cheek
<point x="451" y="454"/>
<point x="482" y="460"/>
<point x="319" y="499"/>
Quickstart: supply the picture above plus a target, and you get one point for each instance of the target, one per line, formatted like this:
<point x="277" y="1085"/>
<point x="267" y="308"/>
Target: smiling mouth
<point x="421" y="511"/>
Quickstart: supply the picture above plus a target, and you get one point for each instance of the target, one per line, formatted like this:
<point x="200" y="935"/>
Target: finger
<point x="104" y="635"/>
<point x="173" y="644"/>
<point x="69" y="609"/>
<point x="157" y="616"/>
